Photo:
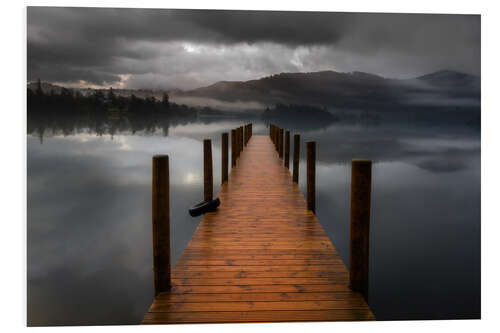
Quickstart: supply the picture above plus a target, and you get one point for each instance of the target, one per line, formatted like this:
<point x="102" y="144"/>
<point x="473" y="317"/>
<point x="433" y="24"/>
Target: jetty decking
<point x="261" y="257"/>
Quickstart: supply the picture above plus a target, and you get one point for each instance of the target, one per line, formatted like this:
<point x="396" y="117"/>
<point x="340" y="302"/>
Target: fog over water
<point x="89" y="213"/>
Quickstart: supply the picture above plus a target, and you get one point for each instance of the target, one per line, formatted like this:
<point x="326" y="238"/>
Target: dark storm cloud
<point x="188" y="48"/>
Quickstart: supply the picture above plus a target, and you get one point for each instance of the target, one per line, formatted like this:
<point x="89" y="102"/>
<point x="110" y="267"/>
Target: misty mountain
<point x="443" y="89"/>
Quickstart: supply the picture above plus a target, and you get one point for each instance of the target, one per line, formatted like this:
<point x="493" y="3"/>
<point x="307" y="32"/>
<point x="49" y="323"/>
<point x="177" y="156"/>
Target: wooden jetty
<point x="262" y="256"/>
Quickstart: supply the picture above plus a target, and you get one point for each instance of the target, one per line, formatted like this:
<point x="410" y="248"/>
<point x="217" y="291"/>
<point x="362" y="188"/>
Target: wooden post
<point x="224" y="155"/>
<point x="277" y="138"/>
<point x="280" y="150"/>
<point x="243" y="136"/>
<point x="237" y="143"/>
<point x="161" y="224"/>
<point x="296" y="158"/>
<point x="361" y="180"/>
<point x="274" y="136"/>
<point x="233" y="148"/>
<point x="311" y="176"/>
<point x="242" y="141"/>
<point x="247" y="133"/>
<point x="208" y="181"/>
<point x="287" y="149"/>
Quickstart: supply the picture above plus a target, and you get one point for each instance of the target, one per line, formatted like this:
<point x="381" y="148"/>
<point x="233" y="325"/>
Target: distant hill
<point x="447" y="79"/>
<point x="353" y="90"/>
<point x="347" y="90"/>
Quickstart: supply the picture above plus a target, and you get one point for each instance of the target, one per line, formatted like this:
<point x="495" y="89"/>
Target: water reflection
<point x="89" y="213"/>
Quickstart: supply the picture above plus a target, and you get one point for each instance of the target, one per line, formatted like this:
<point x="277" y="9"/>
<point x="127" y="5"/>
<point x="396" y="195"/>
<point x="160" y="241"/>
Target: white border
<point x="13" y="241"/>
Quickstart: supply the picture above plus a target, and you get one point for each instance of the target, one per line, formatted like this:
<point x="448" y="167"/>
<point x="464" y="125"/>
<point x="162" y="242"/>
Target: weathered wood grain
<point x="261" y="257"/>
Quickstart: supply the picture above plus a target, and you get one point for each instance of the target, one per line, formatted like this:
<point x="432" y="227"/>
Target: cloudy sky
<point x="167" y="49"/>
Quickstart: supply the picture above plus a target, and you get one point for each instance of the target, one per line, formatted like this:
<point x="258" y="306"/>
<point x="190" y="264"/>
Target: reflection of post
<point x="224" y="155"/>
<point x="207" y="169"/>
<point x="296" y="158"/>
<point x="233" y="148"/>
<point x="361" y="179"/>
<point x="311" y="176"/>
<point x="161" y="224"/>
<point x="287" y="149"/>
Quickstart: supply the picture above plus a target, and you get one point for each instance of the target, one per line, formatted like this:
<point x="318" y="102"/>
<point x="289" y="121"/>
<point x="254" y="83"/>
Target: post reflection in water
<point x="89" y="211"/>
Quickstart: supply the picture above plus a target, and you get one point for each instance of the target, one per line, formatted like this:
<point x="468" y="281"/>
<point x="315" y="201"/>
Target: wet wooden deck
<point x="262" y="257"/>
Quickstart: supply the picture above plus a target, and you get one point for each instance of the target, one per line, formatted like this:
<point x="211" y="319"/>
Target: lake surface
<point x="89" y="212"/>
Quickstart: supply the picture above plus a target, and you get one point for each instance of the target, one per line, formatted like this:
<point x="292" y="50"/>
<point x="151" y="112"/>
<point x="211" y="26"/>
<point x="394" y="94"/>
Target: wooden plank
<point x="267" y="268"/>
<point x="281" y="288"/>
<point x="261" y="257"/>
<point x="251" y="262"/>
<point x="257" y="297"/>
<point x="246" y="274"/>
<point x="256" y="316"/>
<point x="165" y="306"/>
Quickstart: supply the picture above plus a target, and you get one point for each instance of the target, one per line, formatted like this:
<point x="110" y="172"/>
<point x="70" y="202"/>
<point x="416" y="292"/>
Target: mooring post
<point x="274" y="135"/>
<point x="287" y="149"/>
<point x="311" y="176"/>
<point x="247" y="133"/>
<point x="278" y="139"/>
<point x="281" y="143"/>
<point x="233" y="148"/>
<point x="208" y="181"/>
<point x="238" y="143"/>
<point x="224" y="155"/>
<point x="242" y="138"/>
<point x="296" y="158"/>
<point x="161" y="224"/>
<point x="361" y="180"/>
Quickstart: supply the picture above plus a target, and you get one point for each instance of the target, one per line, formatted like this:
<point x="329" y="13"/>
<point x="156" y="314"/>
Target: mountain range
<point x="349" y="90"/>
<point x="448" y="89"/>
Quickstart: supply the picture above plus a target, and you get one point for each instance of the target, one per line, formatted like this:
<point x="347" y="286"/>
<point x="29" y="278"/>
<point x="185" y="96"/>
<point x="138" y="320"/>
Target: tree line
<point x="101" y="112"/>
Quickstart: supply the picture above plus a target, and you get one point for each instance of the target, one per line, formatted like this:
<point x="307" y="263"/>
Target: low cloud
<point x="161" y="48"/>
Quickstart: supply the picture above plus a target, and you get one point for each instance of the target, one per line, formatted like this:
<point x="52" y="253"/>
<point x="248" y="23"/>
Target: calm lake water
<point x="89" y="213"/>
